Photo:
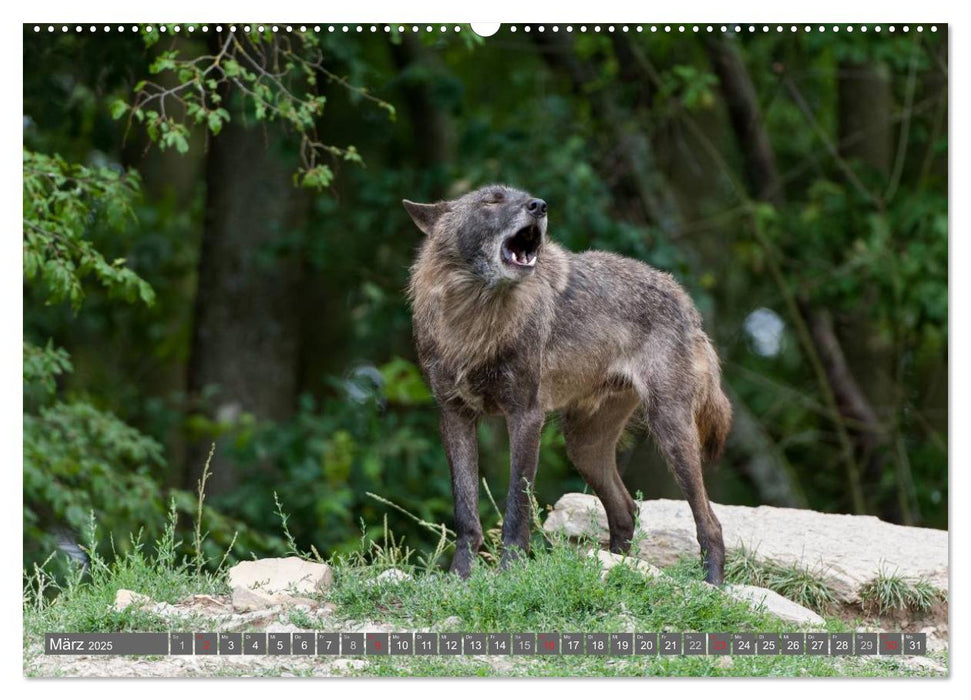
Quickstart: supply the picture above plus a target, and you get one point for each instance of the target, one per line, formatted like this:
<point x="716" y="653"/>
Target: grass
<point x="889" y="593"/>
<point x="83" y="600"/>
<point x="557" y="588"/>
<point x="798" y="584"/>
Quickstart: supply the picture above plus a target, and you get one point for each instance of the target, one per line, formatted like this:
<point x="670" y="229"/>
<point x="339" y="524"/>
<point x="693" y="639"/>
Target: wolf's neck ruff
<point x="470" y="321"/>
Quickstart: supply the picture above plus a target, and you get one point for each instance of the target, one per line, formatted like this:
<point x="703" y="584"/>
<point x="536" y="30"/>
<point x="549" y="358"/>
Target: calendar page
<point x="524" y="349"/>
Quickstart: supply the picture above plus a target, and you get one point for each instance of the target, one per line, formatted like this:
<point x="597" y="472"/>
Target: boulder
<point x="265" y="583"/>
<point x="774" y="604"/>
<point x="846" y="551"/>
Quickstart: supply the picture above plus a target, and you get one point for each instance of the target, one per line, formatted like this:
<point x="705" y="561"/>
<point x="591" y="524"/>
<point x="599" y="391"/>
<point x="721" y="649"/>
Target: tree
<point x="243" y="361"/>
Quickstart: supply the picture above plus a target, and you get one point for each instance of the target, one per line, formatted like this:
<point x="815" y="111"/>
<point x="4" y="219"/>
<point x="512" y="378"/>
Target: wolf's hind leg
<point x="591" y="444"/>
<point x="672" y="423"/>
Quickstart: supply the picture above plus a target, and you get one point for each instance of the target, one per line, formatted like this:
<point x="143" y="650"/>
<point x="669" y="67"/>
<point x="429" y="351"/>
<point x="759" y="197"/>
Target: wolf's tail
<point x="713" y="411"/>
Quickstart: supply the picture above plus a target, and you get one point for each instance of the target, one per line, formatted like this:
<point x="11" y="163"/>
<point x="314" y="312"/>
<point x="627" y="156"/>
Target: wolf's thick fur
<point x="506" y="321"/>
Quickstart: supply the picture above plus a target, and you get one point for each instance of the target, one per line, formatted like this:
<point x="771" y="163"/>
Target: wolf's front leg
<point x="462" y="450"/>
<point x="524" y="427"/>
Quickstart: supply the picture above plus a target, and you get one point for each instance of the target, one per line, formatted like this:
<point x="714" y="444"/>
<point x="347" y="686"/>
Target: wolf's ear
<point x="425" y="216"/>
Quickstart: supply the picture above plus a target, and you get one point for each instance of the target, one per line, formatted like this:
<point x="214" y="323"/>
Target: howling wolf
<point x="506" y="321"/>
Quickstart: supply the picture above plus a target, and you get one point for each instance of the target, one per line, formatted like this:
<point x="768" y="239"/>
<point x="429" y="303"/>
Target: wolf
<point x="507" y="322"/>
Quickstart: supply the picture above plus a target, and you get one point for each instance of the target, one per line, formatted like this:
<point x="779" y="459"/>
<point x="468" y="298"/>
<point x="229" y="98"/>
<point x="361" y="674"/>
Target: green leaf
<point x="118" y="109"/>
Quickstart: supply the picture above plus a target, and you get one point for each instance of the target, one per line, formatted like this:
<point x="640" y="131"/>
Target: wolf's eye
<point x="494" y="198"/>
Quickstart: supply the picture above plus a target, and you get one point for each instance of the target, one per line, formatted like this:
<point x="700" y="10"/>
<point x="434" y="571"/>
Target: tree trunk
<point x="865" y="111"/>
<point x="865" y="135"/>
<point x="742" y="101"/>
<point x="245" y="333"/>
<point x="430" y="124"/>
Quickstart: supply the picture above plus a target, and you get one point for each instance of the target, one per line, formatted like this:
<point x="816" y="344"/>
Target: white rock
<point x="846" y="551"/>
<point x="608" y="560"/>
<point x="125" y="598"/>
<point x="249" y="620"/>
<point x="265" y="583"/>
<point x="774" y="604"/>
<point x="282" y="575"/>
<point x="249" y="600"/>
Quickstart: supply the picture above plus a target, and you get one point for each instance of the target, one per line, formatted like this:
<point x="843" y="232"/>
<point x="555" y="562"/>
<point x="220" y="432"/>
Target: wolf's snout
<point x="536" y="208"/>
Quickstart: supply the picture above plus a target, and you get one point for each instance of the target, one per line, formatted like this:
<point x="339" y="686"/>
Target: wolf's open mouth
<point x="520" y="248"/>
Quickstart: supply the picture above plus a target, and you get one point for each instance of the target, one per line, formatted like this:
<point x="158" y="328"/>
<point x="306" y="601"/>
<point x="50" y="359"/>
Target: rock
<point x="921" y="663"/>
<point x="251" y="620"/>
<point x="937" y="637"/>
<point x="775" y="604"/>
<point x="276" y="575"/>
<point x="249" y="600"/>
<point x="265" y="583"/>
<point x="349" y="664"/>
<point x="725" y="662"/>
<point x="608" y="560"/>
<point x="393" y="576"/>
<point x="125" y="598"/>
<point x="205" y="605"/>
<point x="846" y="551"/>
<point x="168" y="610"/>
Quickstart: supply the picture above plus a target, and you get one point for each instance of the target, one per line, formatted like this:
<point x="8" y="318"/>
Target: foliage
<point x="60" y="199"/>
<point x="77" y="458"/>
<point x="558" y="588"/>
<point x="80" y="459"/>
<point x="382" y="443"/>
<point x="42" y="366"/>
<point x="277" y="77"/>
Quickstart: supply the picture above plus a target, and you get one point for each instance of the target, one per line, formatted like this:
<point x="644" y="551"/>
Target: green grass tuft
<point x="889" y="593"/>
<point x="798" y="584"/>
